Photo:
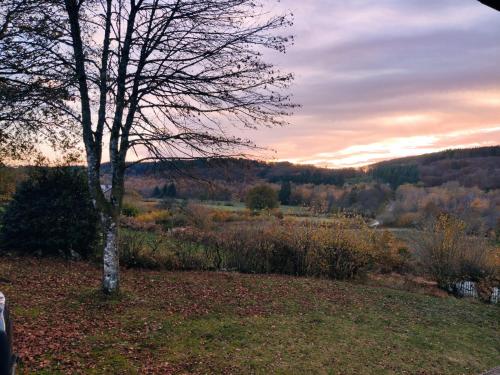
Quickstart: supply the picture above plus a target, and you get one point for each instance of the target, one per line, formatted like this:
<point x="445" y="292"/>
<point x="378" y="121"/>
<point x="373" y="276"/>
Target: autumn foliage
<point x="344" y="249"/>
<point x="449" y="255"/>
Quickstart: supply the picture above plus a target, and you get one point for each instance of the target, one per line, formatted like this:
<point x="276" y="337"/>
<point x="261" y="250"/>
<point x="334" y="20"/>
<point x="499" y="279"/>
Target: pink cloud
<point x="383" y="79"/>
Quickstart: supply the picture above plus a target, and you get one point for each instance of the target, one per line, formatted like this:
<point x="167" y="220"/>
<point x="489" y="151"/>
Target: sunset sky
<point x="379" y="79"/>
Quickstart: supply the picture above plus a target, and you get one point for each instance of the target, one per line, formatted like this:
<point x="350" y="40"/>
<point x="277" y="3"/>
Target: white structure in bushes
<point x="466" y="289"/>
<point x="469" y="289"/>
<point x="495" y="296"/>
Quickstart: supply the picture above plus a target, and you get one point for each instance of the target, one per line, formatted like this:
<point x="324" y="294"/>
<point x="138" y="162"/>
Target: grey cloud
<point x="359" y="60"/>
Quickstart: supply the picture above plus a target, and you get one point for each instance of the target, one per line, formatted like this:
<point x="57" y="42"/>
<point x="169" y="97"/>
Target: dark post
<point x="495" y="4"/>
<point x="7" y="359"/>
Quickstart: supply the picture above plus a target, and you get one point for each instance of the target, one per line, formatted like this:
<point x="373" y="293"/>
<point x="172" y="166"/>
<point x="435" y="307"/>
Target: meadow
<point x="231" y="323"/>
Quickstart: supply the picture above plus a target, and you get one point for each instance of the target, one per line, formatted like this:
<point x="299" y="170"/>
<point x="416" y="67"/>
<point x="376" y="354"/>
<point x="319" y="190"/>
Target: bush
<point x="131" y="250"/>
<point x="408" y="219"/>
<point x="285" y="192"/>
<point x="52" y="214"/>
<point x="295" y="248"/>
<point x="219" y="216"/>
<point x="155" y="251"/>
<point x="143" y="250"/>
<point x="198" y="215"/>
<point x="450" y="256"/>
<point x="8" y="178"/>
<point x="129" y="210"/>
<point x="177" y="220"/>
<point x="262" y="197"/>
<point x="153" y="217"/>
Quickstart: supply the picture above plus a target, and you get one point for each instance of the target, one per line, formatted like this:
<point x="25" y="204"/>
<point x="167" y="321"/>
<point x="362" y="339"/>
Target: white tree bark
<point x="111" y="260"/>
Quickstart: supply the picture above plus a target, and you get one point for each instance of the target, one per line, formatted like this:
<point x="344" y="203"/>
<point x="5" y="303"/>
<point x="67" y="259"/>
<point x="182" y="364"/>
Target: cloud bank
<point x="379" y="79"/>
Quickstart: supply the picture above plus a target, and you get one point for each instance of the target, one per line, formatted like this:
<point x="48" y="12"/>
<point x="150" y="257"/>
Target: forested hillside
<point x="476" y="167"/>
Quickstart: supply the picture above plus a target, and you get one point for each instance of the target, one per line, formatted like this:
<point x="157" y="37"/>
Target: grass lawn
<point x="170" y="322"/>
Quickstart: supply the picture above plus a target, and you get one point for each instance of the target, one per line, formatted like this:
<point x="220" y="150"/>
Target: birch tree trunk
<point x="111" y="258"/>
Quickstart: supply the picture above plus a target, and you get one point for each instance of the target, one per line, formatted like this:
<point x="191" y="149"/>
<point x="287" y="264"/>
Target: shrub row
<point x="298" y="248"/>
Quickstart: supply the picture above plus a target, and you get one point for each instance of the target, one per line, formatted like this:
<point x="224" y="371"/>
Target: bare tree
<point x="32" y="106"/>
<point x="165" y="79"/>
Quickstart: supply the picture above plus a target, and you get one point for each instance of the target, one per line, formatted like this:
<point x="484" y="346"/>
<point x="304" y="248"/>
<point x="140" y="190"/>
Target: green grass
<point x="240" y="206"/>
<point x="224" y="206"/>
<point x="172" y="322"/>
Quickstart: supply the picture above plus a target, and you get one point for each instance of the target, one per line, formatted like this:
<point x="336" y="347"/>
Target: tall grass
<point x="342" y="250"/>
<point x="156" y="251"/>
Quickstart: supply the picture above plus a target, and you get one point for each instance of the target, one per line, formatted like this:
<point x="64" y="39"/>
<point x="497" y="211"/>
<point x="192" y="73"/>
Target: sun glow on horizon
<point x="357" y="156"/>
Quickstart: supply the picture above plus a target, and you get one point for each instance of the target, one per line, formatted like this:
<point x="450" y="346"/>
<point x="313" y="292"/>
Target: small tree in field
<point x="261" y="197"/>
<point x="160" y="78"/>
<point x="285" y="192"/>
<point x="156" y="192"/>
<point x="171" y="191"/>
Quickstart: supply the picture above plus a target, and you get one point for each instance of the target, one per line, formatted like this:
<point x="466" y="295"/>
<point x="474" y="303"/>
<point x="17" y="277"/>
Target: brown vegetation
<point x="414" y="205"/>
<point x="449" y="255"/>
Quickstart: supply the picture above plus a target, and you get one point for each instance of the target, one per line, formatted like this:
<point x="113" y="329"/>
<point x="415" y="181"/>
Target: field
<point x="174" y="322"/>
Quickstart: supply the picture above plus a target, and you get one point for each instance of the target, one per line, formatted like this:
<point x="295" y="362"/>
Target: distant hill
<point x="244" y="171"/>
<point x="459" y="153"/>
<point x="470" y="167"/>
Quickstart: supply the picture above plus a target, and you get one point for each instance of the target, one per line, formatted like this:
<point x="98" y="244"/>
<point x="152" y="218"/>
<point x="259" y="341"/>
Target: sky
<point x="380" y="79"/>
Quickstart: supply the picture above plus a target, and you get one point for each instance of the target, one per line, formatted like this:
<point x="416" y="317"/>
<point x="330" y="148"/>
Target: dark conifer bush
<point x="52" y="214"/>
